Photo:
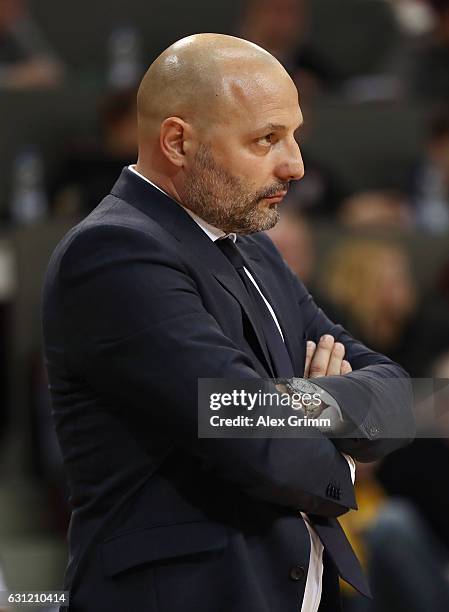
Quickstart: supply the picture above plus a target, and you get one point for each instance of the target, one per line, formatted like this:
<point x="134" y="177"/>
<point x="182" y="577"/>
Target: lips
<point x="277" y="197"/>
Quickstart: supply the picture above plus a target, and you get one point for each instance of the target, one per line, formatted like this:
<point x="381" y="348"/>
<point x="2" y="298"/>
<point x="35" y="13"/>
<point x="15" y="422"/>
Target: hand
<point x="326" y="359"/>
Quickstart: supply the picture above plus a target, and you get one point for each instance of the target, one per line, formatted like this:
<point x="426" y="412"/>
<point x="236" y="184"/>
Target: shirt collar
<point x="212" y="232"/>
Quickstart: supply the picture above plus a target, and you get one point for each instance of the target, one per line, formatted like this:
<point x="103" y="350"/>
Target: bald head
<point x="217" y="121"/>
<point x="197" y="77"/>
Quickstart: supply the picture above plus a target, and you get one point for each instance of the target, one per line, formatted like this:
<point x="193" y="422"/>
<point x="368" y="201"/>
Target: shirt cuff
<point x="351" y="464"/>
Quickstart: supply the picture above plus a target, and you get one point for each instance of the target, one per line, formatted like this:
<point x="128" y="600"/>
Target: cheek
<point x="254" y="172"/>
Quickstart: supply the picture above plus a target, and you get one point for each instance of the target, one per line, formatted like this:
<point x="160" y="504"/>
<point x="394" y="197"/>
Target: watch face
<point x="303" y="386"/>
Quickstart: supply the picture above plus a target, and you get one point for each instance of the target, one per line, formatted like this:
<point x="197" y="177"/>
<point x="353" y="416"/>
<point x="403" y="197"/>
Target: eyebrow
<point x="273" y="127"/>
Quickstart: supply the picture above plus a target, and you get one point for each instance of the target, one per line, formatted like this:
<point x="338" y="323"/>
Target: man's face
<point x="245" y="160"/>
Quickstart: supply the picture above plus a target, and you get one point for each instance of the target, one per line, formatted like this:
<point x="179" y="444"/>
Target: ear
<point x="173" y="135"/>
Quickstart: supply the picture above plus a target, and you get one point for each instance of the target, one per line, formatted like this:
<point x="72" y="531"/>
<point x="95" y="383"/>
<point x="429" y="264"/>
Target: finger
<point x="320" y="360"/>
<point x="345" y="367"/>
<point x="310" y="351"/>
<point x="334" y="367"/>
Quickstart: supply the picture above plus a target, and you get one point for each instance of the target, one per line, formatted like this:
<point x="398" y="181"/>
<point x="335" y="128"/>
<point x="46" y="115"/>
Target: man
<point x="142" y="299"/>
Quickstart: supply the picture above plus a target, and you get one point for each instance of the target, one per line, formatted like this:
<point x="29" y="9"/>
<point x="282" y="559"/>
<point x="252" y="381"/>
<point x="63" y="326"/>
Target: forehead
<point x="261" y="98"/>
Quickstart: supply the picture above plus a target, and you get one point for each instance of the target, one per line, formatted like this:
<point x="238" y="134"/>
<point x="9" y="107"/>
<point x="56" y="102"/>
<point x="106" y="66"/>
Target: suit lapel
<point x="174" y="219"/>
<point x="205" y="251"/>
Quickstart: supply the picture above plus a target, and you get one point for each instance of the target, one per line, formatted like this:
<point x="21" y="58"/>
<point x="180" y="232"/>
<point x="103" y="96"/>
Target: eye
<point x="267" y="140"/>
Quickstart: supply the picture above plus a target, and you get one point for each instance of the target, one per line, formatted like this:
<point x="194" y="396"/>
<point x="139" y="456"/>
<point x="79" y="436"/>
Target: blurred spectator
<point x="280" y="26"/>
<point x="430" y="179"/>
<point x="371" y="282"/>
<point x="26" y="59"/>
<point x="90" y="170"/>
<point x="376" y="209"/>
<point x="429" y="74"/>
<point x="294" y="238"/>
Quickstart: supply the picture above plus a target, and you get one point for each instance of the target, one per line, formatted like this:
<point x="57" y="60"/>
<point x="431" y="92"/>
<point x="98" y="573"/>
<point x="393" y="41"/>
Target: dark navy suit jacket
<point x="139" y="303"/>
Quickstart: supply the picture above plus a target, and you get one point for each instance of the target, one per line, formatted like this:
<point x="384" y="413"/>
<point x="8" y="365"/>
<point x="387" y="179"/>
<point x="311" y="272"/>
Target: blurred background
<point x="367" y="230"/>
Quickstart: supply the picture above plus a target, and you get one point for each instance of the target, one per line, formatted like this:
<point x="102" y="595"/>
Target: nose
<point x="292" y="166"/>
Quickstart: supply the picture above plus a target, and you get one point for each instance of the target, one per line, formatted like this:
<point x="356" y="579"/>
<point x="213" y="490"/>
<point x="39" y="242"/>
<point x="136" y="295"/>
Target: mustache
<point x="274" y="190"/>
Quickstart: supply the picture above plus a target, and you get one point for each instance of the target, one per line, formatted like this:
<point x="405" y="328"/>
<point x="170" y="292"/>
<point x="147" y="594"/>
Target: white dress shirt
<point x="313" y="588"/>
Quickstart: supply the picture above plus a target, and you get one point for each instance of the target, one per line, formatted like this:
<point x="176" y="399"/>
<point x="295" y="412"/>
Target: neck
<point x="162" y="181"/>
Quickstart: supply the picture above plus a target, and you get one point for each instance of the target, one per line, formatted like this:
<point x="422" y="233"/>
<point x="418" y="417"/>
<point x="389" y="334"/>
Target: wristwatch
<point x="312" y="410"/>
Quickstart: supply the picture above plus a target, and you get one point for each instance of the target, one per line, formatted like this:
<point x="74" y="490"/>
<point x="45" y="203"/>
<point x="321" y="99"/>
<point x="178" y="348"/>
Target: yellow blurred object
<point x="370" y="499"/>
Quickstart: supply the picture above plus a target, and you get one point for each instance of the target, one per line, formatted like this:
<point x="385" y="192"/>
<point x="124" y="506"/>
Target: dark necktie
<point x="280" y="358"/>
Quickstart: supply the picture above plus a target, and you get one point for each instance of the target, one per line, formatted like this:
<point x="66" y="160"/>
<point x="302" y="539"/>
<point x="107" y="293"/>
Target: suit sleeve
<point x="139" y="334"/>
<point x="376" y="398"/>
